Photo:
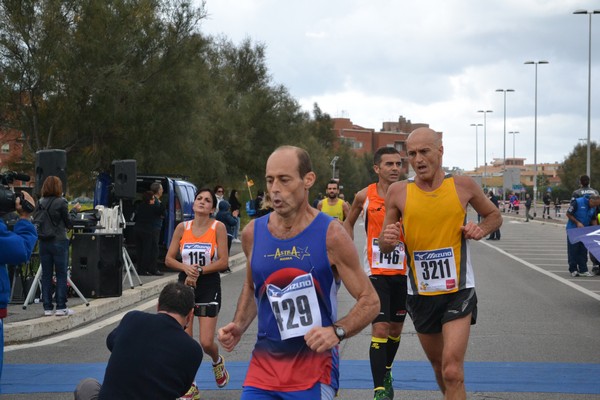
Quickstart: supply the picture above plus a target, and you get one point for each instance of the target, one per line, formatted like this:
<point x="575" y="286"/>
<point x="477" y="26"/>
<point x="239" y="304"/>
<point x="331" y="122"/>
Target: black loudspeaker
<point x="50" y="163"/>
<point x="124" y="177"/>
<point x="97" y="264"/>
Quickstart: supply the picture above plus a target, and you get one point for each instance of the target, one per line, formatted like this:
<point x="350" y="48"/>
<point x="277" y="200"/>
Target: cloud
<point x="436" y="62"/>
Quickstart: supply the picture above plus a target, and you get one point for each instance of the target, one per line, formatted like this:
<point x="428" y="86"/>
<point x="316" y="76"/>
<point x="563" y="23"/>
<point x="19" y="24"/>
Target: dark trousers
<point x="495" y="235"/>
<point x="144" y="250"/>
<point x="577" y="257"/>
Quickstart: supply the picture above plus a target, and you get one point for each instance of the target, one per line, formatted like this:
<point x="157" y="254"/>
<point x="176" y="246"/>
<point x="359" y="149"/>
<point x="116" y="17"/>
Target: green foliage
<point x="575" y="165"/>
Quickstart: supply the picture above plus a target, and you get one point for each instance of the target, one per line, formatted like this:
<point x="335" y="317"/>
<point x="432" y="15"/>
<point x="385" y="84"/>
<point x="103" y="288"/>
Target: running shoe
<point x="221" y="374"/>
<point x="574" y="274"/>
<point x="388" y="384"/>
<point x="586" y="273"/>
<point x="192" y="394"/>
<point x="48" y="313"/>
<point x="381" y="395"/>
<point x="64" y="312"/>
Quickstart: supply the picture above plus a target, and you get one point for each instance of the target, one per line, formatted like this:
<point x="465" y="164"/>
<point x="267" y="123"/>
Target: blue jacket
<point x="225" y="216"/>
<point x="15" y="248"/>
<point x="580" y="209"/>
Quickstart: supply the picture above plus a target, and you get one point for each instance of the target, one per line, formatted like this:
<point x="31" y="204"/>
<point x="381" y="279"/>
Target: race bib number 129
<point x="296" y="306"/>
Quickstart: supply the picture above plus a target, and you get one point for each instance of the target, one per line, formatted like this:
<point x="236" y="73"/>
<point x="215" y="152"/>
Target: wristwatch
<point x="339" y="332"/>
<point x="200" y="271"/>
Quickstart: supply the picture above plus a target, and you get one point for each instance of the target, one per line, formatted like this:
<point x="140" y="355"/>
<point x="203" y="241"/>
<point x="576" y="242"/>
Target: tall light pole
<point x="536" y="63"/>
<point x="476" y="144"/>
<point x="514" y="133"/>
<point x="504" y="165"/>
<point x="333" y="161"/>
<point x="588" y="162"/>
<point x="484" y="144"/>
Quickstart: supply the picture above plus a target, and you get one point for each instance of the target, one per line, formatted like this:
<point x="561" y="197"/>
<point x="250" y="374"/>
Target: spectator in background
<point x="157" y="223"/>
<point x="547" y="199"/>
<point x="235" y="205"/>
<point x="582" y="212"/>
<point x="557" y="207"/>
<point x="584" y="188"/>
<point x="527" y="207"/>
<point x="262" y="205"/>
<point x="220" y="193"/>
<point x="144" y="230"/>
<point x="16" y="246"/>
<point x="316" y="201"/>
<point x="54" y="252"/>
<point x="229" y="218"/>
<point x="495" y="235"/>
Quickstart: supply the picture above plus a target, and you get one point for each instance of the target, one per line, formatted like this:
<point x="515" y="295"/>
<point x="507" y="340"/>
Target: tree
<point x="94" y="77"/>
<point x="575" y="165"/>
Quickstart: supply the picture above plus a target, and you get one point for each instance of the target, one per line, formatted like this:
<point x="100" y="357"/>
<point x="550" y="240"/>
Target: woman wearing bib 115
<point x="202" y="244"/>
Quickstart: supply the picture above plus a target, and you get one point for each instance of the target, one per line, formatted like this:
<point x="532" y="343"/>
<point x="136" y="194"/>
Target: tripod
<point x="37" y="283"/>
<point x="127" y="263"/>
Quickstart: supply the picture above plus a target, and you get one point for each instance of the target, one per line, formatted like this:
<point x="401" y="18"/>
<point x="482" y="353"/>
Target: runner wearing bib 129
<point x="299" y="292"/>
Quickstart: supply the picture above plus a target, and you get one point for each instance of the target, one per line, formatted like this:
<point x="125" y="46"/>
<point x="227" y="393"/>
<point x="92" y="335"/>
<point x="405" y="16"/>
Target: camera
<point x="8" y="198"/>
<point x="206" y="309"/>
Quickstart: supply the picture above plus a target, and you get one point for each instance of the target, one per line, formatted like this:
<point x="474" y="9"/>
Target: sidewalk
<point x="26" y="325"/>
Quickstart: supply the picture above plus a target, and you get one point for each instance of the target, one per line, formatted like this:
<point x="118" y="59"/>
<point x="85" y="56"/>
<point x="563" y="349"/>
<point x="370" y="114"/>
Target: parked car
<point x="178" y="198"/>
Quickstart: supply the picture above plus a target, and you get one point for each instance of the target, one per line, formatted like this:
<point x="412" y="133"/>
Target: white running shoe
<point x="586" y="274"/>
<point x="574" y="274"/>
<point x="64" y="312"/>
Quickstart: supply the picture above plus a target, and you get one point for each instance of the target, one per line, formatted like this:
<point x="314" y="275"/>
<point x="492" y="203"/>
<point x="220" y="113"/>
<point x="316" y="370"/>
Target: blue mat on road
<point x="355" y="374"/>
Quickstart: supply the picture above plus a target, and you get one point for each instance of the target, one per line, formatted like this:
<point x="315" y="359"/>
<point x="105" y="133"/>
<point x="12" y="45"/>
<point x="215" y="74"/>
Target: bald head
<point x="301" y="155"/>
<point x="426" y="135"/>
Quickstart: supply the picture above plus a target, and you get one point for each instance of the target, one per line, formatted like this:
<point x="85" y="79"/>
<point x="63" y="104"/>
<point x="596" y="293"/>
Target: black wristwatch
<point x="339" y="332"/>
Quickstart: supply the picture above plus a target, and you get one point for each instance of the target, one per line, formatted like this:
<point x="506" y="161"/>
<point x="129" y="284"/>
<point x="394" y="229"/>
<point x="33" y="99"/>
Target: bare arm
<point x="343" y="255"/>
<point x="230" y="335"/>
<point x="222" y="262"/>
<point x="395" y="199"/>
<point x="354" y="212"/>
<point x="345" y="209"/>
<point x="469" y="192"/>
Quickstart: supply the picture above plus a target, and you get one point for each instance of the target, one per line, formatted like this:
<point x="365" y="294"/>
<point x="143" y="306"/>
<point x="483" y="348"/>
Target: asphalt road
<point x="531" y="313"/>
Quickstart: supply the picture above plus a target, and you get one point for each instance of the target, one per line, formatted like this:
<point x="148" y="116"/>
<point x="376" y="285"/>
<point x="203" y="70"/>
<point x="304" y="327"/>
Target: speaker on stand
<point x="50" y="163"/>
<point x="124" y="178"/>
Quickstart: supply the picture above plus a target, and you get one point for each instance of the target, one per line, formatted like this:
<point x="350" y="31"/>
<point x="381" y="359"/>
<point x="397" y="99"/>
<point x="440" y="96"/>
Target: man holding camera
<point x="16" y="246"/>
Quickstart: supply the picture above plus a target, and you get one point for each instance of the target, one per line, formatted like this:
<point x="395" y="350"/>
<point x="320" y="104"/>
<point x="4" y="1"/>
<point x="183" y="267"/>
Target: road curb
<point x="33" y="329"/>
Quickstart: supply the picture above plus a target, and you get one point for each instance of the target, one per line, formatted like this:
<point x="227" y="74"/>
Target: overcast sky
<point x="435" y="62"/>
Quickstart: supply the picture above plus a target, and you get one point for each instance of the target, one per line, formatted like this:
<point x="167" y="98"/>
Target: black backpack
<point x="46" y="228"/>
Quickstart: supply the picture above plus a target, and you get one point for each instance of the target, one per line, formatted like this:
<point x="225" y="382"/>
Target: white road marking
<point x="547" y="273"/>
<point x="83" y="331"/>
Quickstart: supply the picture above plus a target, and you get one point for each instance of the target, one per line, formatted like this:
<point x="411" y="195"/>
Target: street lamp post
<point x="484" y="144"/>
<point x="588" y="162"/>
<point x="504" y="165"/>
<point x="514" y="133"/>
<point x="476" y="144"/>
<point x="535" y="171"/>
<point x="333" y="161"/>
